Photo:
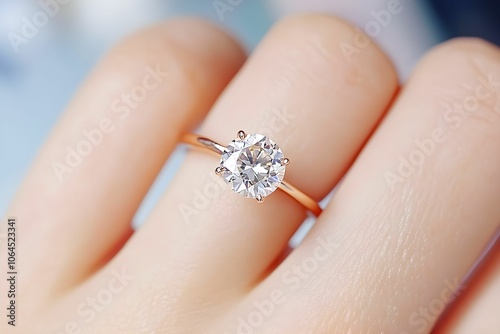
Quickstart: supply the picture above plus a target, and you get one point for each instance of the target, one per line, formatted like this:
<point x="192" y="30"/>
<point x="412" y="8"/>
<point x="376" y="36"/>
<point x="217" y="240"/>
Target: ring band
<point x="254" y="165"/>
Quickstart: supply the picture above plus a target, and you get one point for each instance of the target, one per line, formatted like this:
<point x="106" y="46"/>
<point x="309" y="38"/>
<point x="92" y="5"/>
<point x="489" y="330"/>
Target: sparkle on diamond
<point x="253" y="166"/>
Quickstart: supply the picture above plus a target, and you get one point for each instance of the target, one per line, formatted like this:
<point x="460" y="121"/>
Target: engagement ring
<point x="253" y="166"/>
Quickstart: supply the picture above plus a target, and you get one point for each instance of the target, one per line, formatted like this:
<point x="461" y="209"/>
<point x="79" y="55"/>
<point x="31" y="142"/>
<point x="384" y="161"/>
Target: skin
<point x="384" y="257"/>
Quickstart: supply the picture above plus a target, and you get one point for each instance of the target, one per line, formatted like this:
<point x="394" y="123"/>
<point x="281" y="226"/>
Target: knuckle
<point x="322" y="47"/>
<point x="465" y="75"/>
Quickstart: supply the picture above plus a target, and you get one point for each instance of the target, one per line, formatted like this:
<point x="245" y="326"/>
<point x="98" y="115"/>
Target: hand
<point x="414" y="212"/>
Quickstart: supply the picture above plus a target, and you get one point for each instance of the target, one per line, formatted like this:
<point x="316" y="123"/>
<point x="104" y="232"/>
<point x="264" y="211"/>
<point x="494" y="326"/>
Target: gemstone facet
<point x="253" y="165"/>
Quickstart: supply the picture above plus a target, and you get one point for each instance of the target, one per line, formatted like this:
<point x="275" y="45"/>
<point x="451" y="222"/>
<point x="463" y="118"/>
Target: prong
<point x="259" y="198"/>
<point x="286" y="161"/>
<point x="241" y="134"/>
<point x="219" y="170"/>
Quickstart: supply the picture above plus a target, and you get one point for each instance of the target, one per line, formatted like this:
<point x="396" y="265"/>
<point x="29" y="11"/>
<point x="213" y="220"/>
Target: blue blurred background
<point x="39" y="75"/>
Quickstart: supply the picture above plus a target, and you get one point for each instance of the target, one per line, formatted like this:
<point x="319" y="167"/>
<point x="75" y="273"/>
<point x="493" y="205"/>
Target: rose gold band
<point x="214" y="147"/>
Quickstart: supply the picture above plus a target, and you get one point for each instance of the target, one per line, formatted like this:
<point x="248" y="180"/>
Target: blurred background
<point x="47" y="47"/>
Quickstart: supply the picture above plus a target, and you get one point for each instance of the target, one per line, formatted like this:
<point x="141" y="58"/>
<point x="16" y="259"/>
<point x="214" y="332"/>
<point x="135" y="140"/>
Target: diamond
<point x="253" y="165"/>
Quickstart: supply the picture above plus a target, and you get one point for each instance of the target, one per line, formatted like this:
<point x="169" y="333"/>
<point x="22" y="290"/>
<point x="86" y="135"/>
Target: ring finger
<point x="300" y="89"/>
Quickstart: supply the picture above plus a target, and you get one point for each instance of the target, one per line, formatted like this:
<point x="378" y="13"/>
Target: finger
<point x="476" y="310"/>
<point x="323" y="109"/>
<point x="77" y="207"/>
<point x="414" y="212"/>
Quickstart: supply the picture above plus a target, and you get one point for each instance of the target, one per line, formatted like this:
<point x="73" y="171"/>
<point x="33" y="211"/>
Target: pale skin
<point x="388" y="252"/>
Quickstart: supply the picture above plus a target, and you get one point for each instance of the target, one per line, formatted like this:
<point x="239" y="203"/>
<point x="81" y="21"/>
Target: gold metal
<point x="212" y="146"/>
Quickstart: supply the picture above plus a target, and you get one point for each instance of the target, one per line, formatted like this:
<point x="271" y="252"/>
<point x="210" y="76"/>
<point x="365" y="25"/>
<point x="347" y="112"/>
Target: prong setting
<point x="219" y="170"/>
<point x="259" y="198"/>
<point x="241" y="134"/>
<point x="285" y="161"/>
